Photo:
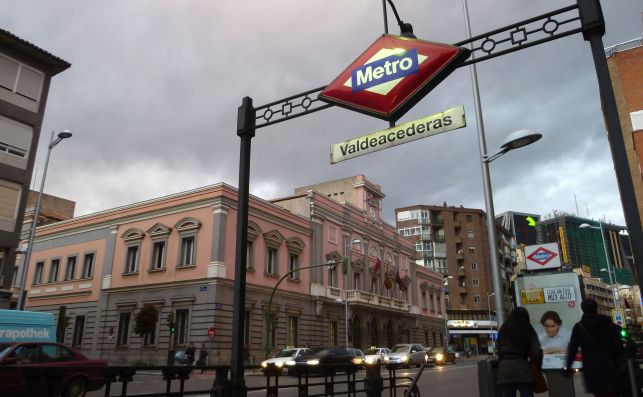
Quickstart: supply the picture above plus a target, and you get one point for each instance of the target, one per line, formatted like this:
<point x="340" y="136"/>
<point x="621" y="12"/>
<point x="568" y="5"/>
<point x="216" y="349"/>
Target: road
<point x="443" y="381"/>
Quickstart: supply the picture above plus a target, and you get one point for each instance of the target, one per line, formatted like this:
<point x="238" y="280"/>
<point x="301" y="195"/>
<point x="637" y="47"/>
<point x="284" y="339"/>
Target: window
<point x="273" y="338"/>
<point x="158" y="255"/>
<point x="447" y="303"/>
<point x="293" y="333"/>
<point x="187" y="251"/>
<point x="150" y="339"/>
<point x="476" y="299"/>
<point x="271" y="261"/>
<point x="249" y="255"/>
<point x="293" y="266"/>
<point x="469" y="218"/>
<point x="70" y="270"/>
<point x="470" y="234"/>
<point x="475" y="282"/>
<point x="357" y="281"/>
<point x="79" y="330"/>
<point x="182" y="326"/>
<point x="88" y="266"/>
<point x="122" y="338"/>
<point x="423" y="300"/>
<point x="374" y="285"/>
<point x="53" y="270"/>
<point x="37" y="275"/>
<point x="472" y="250"/>
<point x="434" y="340"/>
<point x="431" y="303"/>
<point x="332" y="333"/>
<point x="439" y="298"/>
<point x="131" y="259"/>
<point x="474" y="265"/>
<point x="332" y="276"/>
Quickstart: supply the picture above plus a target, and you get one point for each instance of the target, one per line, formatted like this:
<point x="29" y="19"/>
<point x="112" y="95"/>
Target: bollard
<point x="221" y="386"/>
<point x="488" y="377"/>
<point x="373" y="382"/>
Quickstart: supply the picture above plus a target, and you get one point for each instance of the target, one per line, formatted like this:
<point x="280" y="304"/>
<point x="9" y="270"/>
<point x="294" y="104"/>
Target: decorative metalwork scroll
<point x="290" y="108"/>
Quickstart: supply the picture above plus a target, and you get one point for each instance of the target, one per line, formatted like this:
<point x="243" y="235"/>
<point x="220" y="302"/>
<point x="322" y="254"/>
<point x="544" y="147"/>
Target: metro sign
<point x="392" y="75"/>
<point x="542" y="256"/>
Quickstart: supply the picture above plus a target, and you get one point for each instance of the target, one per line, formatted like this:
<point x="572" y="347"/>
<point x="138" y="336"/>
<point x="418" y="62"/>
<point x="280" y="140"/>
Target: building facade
<point x="453" y="242"/>
<point x="625" y="62"/>
<point x="25" y="74"/>
<point x="176" y="254"/>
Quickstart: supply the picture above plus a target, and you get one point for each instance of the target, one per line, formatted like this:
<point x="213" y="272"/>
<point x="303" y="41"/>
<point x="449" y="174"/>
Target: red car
<point x="71" y="382"/>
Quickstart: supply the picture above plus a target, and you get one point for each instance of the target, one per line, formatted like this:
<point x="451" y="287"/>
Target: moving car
<point x="358" y="356"/>
<point x="440" y="356"/>
<point x="375" y="355"/>
<point x="284" y="356"/>
<point x="323" y="359"/>
<point x="71" y="382"/>
<point x="407" y="354"/>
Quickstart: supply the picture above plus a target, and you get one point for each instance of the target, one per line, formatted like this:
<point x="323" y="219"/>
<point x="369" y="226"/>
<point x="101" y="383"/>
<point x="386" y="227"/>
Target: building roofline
<point x="627" y="45"/>
<point x="55" y="63"/>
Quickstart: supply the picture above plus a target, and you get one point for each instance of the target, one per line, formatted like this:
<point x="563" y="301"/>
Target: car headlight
<point x="439" y="356"/>
<point x="279" y="364"/>
<point x="313" y="362"/>
<point x="404" y="358"/>
<point x="290" y="363"/>
<point x="357" y="361"/>
<point x="426" y="358"/>
<point x="386" y="358"/>
<point x="370" y="360"/>
<point x="264" y="364"/>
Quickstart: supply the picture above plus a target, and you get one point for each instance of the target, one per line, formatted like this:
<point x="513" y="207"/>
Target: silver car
<point x="406" y="354"/>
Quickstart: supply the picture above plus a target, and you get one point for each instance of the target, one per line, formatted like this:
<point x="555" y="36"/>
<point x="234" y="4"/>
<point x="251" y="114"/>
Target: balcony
<point x="368" y="299"/>
<point x="458" y="240"/>
<point x="456" y="224"/>
<point x="459" y="255"/>
<point x="438" y="220"/>
<point x="461" y="272"/>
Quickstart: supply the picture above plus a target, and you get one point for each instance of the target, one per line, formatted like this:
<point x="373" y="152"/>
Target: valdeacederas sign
<point x="392" y="75"/>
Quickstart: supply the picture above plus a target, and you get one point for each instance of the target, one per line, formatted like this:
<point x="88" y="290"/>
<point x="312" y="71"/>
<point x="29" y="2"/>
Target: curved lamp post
<point x="25" y="264"/>
<point x="607" y="259"/>
<point x="272" y="321"/>
<point x="515" y="140"/>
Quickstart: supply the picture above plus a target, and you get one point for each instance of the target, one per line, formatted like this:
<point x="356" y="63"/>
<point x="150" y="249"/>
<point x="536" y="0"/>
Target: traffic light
<point x="171" y="324"/>
<point x="624" y="333"/>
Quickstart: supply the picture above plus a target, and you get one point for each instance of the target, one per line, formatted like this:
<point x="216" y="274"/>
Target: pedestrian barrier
<point x="327" y="380"/>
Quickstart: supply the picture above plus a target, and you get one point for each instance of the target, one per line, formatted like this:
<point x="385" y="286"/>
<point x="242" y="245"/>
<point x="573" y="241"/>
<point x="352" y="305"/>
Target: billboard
<point x="542" y="256"/>
<point x="553" y="302"/>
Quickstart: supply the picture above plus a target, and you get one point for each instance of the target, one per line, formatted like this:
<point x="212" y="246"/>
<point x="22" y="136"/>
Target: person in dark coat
<point x="518" y="346"/>
<point x="599" y="340"/>
<point x="190" y="353"/>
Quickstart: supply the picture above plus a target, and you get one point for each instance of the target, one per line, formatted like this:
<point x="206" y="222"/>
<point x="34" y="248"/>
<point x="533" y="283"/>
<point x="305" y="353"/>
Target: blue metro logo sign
<point x="392" y="75"/>
<point x="542" y="256"/>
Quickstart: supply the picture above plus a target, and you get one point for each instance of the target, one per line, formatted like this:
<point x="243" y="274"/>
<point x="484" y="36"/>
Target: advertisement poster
<point x="553" y="302"/>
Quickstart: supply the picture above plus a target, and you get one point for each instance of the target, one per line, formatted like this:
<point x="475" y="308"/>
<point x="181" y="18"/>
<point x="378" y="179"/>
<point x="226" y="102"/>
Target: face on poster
<point x="553" y="302"/>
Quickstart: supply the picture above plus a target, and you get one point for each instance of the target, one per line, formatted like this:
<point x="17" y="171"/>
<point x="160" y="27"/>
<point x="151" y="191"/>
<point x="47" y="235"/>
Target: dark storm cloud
<point x="154" y="87"/>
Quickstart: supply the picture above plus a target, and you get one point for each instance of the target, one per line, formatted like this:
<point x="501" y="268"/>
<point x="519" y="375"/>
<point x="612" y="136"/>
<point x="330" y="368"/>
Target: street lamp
<point x="25" y="264"/>
<point x="489" y="308"/>
<point x="347" y="249"/>
<point x="607" y="259"/>
<point x="271" y="318"/>
<point x="514" y="141"/>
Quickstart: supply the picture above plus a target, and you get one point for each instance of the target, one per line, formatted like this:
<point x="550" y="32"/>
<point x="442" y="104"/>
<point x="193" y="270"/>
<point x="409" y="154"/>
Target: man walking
<point x="600" y="344"/>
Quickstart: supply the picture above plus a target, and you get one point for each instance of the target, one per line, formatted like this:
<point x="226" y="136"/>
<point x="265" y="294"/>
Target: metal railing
<point x="323" y="380"/>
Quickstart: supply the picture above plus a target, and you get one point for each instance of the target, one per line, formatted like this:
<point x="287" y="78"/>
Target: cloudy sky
<point x="154" y="86"/>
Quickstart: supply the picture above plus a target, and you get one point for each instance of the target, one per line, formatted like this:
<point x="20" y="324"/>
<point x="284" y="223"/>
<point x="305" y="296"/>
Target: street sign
<point x="448" y="120"/>
<point x="392" y="75"/>
<point x="542" y="256"/>
<point x="211" y="332"/>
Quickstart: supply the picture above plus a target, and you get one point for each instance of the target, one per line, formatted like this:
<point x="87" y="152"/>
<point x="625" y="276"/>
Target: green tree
<point x="145" y="323"/>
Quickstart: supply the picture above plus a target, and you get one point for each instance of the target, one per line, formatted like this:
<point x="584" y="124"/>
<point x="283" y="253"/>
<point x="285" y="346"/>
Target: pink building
<point x="176" y="253"/>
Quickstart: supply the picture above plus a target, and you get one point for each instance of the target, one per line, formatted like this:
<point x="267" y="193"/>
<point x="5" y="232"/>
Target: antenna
<point x="587" y="209"/>
<point x="576" y="202"/>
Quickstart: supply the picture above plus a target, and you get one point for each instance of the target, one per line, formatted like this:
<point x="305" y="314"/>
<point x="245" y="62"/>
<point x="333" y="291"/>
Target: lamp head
<point x="585" y="226"/>
<point x="520" y="138"/>
<point x="64" y="134"/>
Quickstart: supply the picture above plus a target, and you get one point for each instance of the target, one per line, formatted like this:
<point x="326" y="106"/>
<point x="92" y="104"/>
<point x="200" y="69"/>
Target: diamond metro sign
<point x="543" y="256"/>
<point x="392" y="75"/>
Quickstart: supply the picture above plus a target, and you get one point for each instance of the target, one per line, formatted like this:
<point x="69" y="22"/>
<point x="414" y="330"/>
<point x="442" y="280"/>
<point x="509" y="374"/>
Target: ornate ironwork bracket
<point x="290" y="108"/>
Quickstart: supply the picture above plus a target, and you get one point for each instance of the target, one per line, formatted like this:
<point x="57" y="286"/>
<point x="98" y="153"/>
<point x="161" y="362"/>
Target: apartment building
<point x="176" y="254"/>
<point x="25" y="75"/>
<point x="453" y="242"/>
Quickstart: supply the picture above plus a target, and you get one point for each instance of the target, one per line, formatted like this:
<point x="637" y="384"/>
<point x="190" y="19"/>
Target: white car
<point x="406" y="355"/>
<point x="287" y="355"/>
<point x="375" y="355"/>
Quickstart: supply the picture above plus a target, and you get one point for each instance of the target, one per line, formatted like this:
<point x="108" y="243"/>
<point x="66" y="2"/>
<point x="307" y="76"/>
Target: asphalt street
<point x="460" y="379"/>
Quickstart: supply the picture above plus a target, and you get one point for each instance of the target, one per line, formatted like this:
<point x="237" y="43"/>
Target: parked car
<point x="337" y="358"/>
<point x="440" y="356"/>
<point x="72" y="382"/>
<point x="281" y="359"/>
<point x="407" y="354"/>
<point x="375" y="355"/>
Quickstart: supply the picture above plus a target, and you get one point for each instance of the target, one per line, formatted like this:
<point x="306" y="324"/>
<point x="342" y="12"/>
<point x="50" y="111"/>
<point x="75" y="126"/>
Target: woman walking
<point x="518" y="347"/>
